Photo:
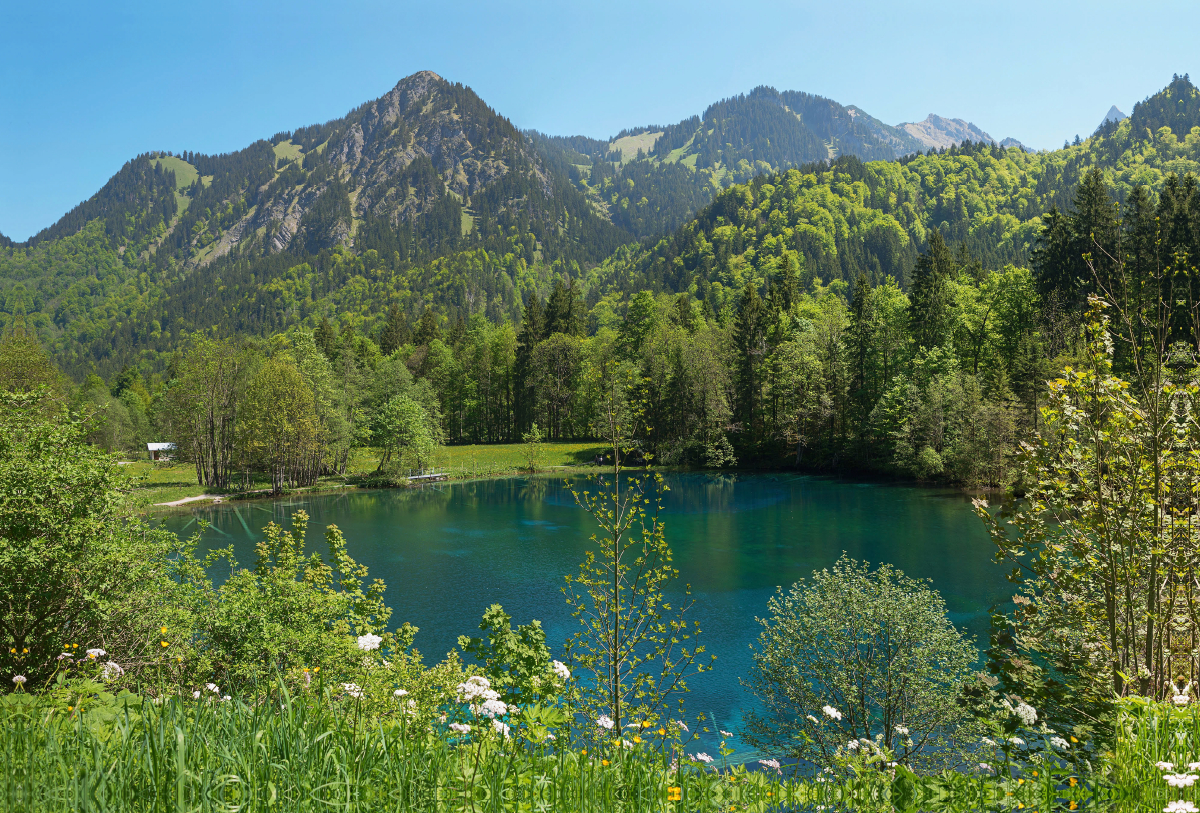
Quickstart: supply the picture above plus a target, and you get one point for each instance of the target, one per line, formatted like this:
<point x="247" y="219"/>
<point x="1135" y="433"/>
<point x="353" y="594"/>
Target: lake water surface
<point x="448" y="551"/>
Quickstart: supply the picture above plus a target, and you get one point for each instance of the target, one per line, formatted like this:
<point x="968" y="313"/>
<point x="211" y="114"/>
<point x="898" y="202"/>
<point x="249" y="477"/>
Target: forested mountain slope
<point x="838" y="220"/>
<point x="650" y="179"/>
<point x="425" y="199"/>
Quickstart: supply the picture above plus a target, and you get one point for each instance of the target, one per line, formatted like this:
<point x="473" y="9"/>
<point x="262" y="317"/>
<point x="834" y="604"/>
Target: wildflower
<point x="662" y="732"/>
<point x="831" y="713"/>
<point x="96" y="653"/>
<point x="983" y="766"/>
<point x="501" y="728"/>
<point x="165" y="644"/>
<point x="196" y="695"/>
<point x="702" y="757"/>
<point x="1016" y="740"/>
<point x="19" y="680"/>
<point x="674" y="794"/>
<point x="461" y="728"/>
<point x="636" y="739"/>
<point x="726" y="734"/>
<point x="400" y="693"/>
<point x="551" y="737"/>
<point x="604" y="721"/>
<point x="604" y="762"/>
<point x="1180" y="699"/>
<point x="490" y="708"/>
<point x="901" y="731"/>
<point x="368" y="642"/>
<point x="1060" y="743"/>
<point x="226" y="698"/>
<point x="1165" y="766"/>
<point x="626" y="744"/>
<point x="852" y="745"/>
<point x="813" y="720"/>
<point x="559" y="668"/>
<point x="112" y="670"/>
<point x="770" y="763"/>
<point x="63" y="656"/>
<point x="989" y="741"/>
<point x="353" y="690"/>
<point x="683" y="725"/>
<point x="1026" y="712"/>
<point x="212" y="687"/>
<point x="1194" y="766"/>
<point x="1180" y="780"/>
<point x="475" y="688"/>
<point x="1180" y="806"/>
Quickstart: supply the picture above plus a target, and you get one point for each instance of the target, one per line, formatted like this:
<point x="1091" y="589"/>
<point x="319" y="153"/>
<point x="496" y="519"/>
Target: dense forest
<point x="893" y="315"/>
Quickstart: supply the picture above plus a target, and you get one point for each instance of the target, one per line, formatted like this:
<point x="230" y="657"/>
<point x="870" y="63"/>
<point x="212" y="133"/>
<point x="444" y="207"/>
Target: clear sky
<point x="86" y="86"/>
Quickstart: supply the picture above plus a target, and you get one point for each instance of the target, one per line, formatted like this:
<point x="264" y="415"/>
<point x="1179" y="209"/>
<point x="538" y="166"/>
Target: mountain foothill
<point x="428" y="201"/>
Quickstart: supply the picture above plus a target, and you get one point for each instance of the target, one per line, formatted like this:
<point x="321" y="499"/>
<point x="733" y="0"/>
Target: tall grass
<point x="315" y="755"/>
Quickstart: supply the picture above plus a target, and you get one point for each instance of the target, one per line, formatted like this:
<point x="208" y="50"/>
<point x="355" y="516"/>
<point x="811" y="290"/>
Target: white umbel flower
<point x="831" y="713"/>
<point x="96" y="653"/>
<point x="369" y="642"/>
<point x="702" y="757"/>
<point x="19" y="680"/>
<point x="559" y="668"/>
<point x="604" y="721"/>
<point x="1180" y="806"/>
<point x="353" y="690"/>
<point x="1180" y="780"/>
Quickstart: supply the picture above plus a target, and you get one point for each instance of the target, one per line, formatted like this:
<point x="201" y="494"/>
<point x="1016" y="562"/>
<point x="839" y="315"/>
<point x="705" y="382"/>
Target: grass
<point x="287" y="151"/>
<point x="167" y="482"/>
<point x="629" y="145"/>
<point x="185" y="173"/>
<point x="310" y="752"/>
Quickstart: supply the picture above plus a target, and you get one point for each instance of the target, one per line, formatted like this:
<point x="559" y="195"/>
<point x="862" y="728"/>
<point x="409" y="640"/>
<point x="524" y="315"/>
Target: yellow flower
<point x="1020" y="781"/>
<point x="1074" y="806"/>
<point x="70" y="708"/>
<point x="1073" y="781"/>
<point x="164" y="630"/>
<point x="674" y="794"/>
<point x="636" y="738"/>
<point x="604" y="762"/>
<point x="164" y="643"/>
<point x="1074" y="740"/>
<point x="645" y="724"/>
<point x="662" y="732"/>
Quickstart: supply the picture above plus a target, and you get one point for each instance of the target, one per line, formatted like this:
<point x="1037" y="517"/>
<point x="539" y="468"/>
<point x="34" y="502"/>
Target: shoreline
<point x="364" y="482"/>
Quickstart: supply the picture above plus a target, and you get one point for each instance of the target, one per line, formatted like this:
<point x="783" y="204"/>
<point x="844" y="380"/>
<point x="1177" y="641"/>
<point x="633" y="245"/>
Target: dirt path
<point x="214" y="497"/>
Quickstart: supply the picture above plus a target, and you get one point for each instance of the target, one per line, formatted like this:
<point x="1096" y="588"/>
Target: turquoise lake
<point x="448" y="551"/>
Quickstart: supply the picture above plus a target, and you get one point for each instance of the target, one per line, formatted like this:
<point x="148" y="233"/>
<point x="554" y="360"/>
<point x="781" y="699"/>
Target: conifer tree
<point x="750" y="339"/>
<point x="931" y="307"/>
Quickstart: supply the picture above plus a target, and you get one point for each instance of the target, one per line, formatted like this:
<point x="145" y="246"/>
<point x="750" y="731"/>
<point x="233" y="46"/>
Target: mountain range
<point x="428" y="197"/>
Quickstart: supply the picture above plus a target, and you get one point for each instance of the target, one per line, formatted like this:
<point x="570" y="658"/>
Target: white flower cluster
<point x="771" y="763"/>
<point x="501" y="728"/>
<point x="353" y="689"/>
<point x="96" y="653"/>
<point x="606" y="722"/>
<point x="1060" y="743"/>
<point x="19" y="680"/>
<point x="901" y="731"/>
<point x="1165" y="766"/>
<point x="485" y="701"/>
<point x="726" y="733"/>
<point x="831" y="713"/>
<point x="1180" y="806"/>
<point x="1025" y="712"/>
<point x="460" y="728"/>
<point x="1180" y="780"/>
<point x="112" y="671"/>
<point x="369" y="642"/>
<point x="559" y="668"/>
<point x="400" y="693"/>
<point x="700" y="756"/>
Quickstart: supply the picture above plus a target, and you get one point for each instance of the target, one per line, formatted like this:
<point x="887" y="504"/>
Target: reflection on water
<point x="447" y="551"/>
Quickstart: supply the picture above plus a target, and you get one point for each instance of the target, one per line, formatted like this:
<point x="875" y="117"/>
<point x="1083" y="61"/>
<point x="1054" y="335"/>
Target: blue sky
<point x="86" y="86"/>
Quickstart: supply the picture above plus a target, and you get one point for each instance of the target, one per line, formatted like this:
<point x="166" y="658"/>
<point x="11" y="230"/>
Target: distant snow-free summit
<point x="1113" y="114"/>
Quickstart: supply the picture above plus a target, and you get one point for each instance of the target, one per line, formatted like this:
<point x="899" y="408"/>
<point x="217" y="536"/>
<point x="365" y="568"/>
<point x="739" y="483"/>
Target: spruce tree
<point x="750" y="340"/>
<point x="395" y="331"/>
<point x="930" y="308"/>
